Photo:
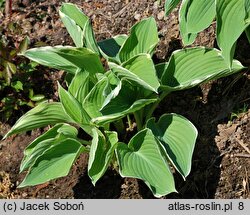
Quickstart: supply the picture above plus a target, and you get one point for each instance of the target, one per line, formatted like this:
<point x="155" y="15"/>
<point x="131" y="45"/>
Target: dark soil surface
<point x="219" y="110"/>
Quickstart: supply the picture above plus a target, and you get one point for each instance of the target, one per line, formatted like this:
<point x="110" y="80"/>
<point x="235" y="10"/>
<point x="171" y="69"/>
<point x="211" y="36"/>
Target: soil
<point x="219" y="110"/>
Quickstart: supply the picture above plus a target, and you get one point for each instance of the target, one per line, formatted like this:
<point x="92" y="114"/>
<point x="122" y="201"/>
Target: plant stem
<point x="129" y="122"/>
<point x="155" y="105"/>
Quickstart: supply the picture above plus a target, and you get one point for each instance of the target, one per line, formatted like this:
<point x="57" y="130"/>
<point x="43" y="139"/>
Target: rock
<point x="137" y="16"/>
<point x="161" y="15"/>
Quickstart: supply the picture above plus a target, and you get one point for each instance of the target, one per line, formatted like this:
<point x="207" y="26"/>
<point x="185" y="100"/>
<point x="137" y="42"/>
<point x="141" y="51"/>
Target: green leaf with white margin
<point x="54" y="163"/>
<point x="145" y="159"/>
<point x="187" y="37"/>
<point x="42" y="115"/>
<point x="127" y="99"/>
<point x="78" y="26"/>
<point x="139" y="69"/>
<point x="142" y="39"/>
<point x="143" y="66"/>
<point x="231" y="15"/>
<point x="190" y="67"/>
<point x="80" y="85"/>
<point x="35" y="149"/>
<point x="74" y="21"/>
<point x="113" y="93"/>
<point x="94" y="100"/>
<point x="110" y="48"/>
<point x="170" y="5"/>
<point x="72" y="107"/>
<point x="101" y="153"/>
<point x="67" y="58"/>
<point x="178" y="137"/>
<point x="200" y="15"/>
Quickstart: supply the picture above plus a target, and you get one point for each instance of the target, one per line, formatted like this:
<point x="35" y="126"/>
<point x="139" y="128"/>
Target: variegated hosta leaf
<point x="144" y="158"/>
<point x="125" y="100"/>
<point x="178" y="136"/>
<point x="80" y="85"/>
<point x="110" y="48"/>
<point x="101" y="152"/>
<point x="72" y="107"/>
<point x="42" y="115"/>
<point x="67" y="58"/>
<point x="47" y="140"/>
<point x="53" y="163"/>
<point x="190" y="67"/>
<point x="78" y="26"/>
<point x="187" y="37"/>
<point x="200" y="15"/>
<point x="170" y="5"/>
<point x="143" y="38"/>
<point x="139" y="69"/>
<point x="93" y="102"/>
<point x="231" y="18"/>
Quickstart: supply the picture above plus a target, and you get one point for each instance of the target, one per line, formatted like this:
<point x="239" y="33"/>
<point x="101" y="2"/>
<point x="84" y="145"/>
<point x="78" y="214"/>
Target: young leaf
<point x="143" y="158"/>
<point x="24" y="45"/>
<point x="94" y="100"/>
<point x="54" y="163"/>
<point x="101" y="152"/>
<point x="231" y="23"/>
<point x="127" y="99"/>
<point x="37" y="97"/>
<point x="170" y="5"/>
<point x="111" y="47"/>
<point x="187" y="37"/>
<point x="78" y="26"/>
<point x="79" y="86"/>
<point x="74" y="21"/>
<point x="72" y="107"/>
<point x="190" y="67"/>
<point x="178" y="137"/>
<point x="41" y="144"/>
<point x="139" y="69"/>
<point x="142" y="39"/>
<point x="42" y="115"/>
<point x="66" y="58"/>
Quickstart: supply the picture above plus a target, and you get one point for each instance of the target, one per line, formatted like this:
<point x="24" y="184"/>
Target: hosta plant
<point x="106" y="105"/>
<point x="232" y="19"/>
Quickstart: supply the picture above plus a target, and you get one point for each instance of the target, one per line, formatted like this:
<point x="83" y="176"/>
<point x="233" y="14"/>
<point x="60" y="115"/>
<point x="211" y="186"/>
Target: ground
<point x="219" y="110"/>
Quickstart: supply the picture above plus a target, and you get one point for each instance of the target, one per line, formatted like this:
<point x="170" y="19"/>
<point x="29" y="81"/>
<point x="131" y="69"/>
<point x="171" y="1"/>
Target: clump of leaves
<point x="101" y="102"/>
<point x="232" y="19"/>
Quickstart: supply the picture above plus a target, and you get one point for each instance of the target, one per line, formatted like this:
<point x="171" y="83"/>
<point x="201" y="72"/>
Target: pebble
<point x="155" y="6"/>
<point x="161" y="15"/>
<point x="24" y="195"/>
<point x="137" y="16"/>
